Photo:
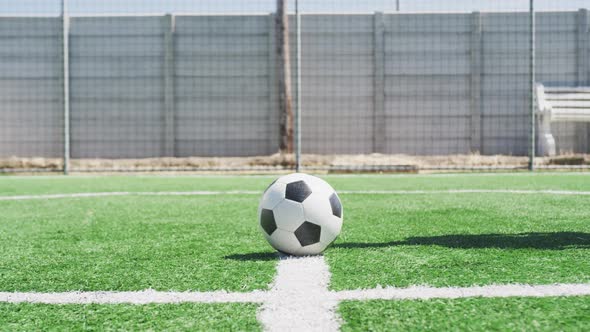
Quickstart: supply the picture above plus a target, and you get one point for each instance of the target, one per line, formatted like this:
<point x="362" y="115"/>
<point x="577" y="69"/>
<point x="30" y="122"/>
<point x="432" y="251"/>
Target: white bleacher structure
<point x="559" y="104"/>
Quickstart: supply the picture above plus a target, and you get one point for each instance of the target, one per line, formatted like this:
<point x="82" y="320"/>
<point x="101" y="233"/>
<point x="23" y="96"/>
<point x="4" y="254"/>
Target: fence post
<point x="169" y="125"/>
<point x="298" y="86"/>
<point x="379" y="125"/>
<point x="273" y="100"/>
<point x="285" y="79"/>
<point x="475" y="83"/>
<point x="532" y="117"/>
<point x="582" y="47"/>
<point x="66" y="85"/>
<point x="582" y="131"/>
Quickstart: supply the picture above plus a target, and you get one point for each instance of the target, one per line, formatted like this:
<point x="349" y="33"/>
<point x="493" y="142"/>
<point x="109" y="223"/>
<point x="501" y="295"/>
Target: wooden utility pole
<point x="285" y="95"/>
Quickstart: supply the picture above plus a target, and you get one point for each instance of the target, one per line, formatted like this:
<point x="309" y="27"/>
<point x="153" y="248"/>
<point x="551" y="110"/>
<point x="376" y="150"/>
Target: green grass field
<point x="212" y="243"/>
<point x="478" y="314"/>
<point x="164" y="317"/>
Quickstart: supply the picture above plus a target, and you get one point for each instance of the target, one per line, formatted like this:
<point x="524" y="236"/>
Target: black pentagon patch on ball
<point x="267" y="221"/>
<point x="308" y="234"/>
<point x="297" y="191"/>
<point x="336" y="205"/>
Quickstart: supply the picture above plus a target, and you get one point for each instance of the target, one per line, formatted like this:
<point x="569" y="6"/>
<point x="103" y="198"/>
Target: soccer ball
<point x="300" y="214"/>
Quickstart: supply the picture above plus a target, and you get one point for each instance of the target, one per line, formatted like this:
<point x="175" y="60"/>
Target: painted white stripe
<point x="299" y="299"/>
<point x="310" y="294"/>
<point x="114" y="194"/>
<point x="142" y="297"/>
<point x="467" y="191"/>
<point x="422" y="293"/>
<point x="254" y="192"/>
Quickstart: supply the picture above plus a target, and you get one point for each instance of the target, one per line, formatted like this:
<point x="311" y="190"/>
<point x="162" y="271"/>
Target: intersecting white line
<point x="387" y="293"/>
<point x="299" y="299"/>
<point x="252" y="192"/>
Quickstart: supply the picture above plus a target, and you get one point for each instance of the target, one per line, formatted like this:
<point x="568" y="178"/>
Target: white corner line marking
<point x="299" y="299"/>
<point x="253" y="192"/>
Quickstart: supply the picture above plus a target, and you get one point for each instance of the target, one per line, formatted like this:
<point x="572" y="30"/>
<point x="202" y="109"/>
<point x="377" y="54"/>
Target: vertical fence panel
<point x="428" y="76"/>
<point x="169" y="75"/>
<point x="338" y="71"/>
<point x="31" y="111"/>
<point x="475" y="83"/>
<point x="117" y="80"/>
<point x="379" y="125"/>
<point x="222" y="86"/>
<point x="581" y="130"/>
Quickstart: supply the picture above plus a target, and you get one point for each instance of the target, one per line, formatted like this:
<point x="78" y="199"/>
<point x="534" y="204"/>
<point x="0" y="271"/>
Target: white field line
<point x="425" y="293"/>
<point x="125" y="193"/>
<point x="141" y="297"/>
<point x="299" y="299"/>
<point x="284" y="294"/>
<point x="253" y="192"/>
<point x="387" y="293"/>
<point x="468" y="191"/>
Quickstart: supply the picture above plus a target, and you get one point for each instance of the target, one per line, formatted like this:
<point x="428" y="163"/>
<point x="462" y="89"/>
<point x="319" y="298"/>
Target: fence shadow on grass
<point x="546" y="241"/>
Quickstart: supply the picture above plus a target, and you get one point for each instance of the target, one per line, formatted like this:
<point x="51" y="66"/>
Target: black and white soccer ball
<point x="300" y="214"/>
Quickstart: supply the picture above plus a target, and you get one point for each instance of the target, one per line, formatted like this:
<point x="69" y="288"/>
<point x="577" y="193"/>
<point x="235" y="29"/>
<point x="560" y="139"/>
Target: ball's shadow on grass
<point x="544" y="241"/>
<point x="255" y="256"/>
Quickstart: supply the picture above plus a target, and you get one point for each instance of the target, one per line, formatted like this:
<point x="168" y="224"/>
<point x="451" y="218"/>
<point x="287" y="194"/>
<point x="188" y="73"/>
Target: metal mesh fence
<point x="219" y="85"/>
<point x="563" y="79"/>
<point x="31" y="73"/>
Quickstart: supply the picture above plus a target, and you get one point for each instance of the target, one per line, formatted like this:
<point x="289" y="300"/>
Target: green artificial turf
<point x="475" y="314"/>
<point x="133" y="243"/>
<point x="461" y="240"/>
<point x="212" y="242"/>
<point x="204" y="243"/>
<point x="19" y="185"/>
<point x="169" y="317"/>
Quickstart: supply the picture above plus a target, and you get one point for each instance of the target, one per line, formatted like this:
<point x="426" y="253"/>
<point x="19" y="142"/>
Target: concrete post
<point x="298" y="92"/>
<point x="475" y="83"/>
<point x="273" y="85"/>
<point x="66" y="85"/>
<point x="582" y="130"/>
<point x="169" y="125"/>
<point x="582" y="47"/>
<point x="532" y="86"/>
<point x="379" y="125"/>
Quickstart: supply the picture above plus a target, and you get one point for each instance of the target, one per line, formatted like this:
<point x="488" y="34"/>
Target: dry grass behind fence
<point x="278" y="161"/>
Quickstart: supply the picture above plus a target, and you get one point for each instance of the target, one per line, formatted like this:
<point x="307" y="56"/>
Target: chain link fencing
<point x="224" y="85"/>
